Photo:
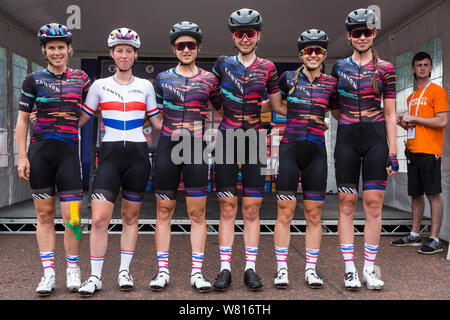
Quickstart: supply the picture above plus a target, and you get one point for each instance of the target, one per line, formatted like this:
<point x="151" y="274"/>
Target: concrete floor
<point x="407" y="274"/>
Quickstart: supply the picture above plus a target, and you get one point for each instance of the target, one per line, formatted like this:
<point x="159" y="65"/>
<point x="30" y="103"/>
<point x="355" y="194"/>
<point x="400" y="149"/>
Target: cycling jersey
<point x="357" y="101"/>
<point x="122" y="164"/>
<point x="123" y="107"/>
<point x="58" y="100"/>
<point x="306" y="106"/>
<point x="184" y="100"/>
<point x="361" y="136"/>
<point x="243" y="89"/>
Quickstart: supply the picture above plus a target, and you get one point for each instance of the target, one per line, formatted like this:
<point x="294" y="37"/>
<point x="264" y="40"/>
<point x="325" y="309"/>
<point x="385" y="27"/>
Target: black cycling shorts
<point x="307" y="158"/>
<point x="54" y="162"/>
<point x="424" y="174"/>
<point x="361" y="145"/>
<point x="250" y="151"/>
<point x="176" y="159"/>
<point x="121" y="164"/>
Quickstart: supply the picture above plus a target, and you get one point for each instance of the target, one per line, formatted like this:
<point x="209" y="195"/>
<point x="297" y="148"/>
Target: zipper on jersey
<point x="186" y="81"/>
<point x="359" y="101"/>
<point x="59" y="107"/>
<point x="243" y="97"/>
<point x="124" y="125"/>
<point x="311" y="104"/>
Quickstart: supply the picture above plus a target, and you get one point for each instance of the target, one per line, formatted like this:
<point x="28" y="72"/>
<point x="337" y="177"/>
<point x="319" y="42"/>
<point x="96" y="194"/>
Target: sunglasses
<point x="250" y="33"/>
<point x="119" y="36"/>
<point x="191" y="45"/>
<point x="60" y="32"/>
<point x="358" y="33"/>
<point x="309" y="51"/>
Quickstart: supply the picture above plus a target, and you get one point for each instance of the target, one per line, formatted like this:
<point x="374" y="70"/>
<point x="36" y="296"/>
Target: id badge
<point x="411" y="131"/>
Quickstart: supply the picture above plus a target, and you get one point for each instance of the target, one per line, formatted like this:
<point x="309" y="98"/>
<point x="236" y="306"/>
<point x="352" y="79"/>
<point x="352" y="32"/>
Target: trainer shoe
<point x="431" y="247"/>
<point x="281" y="280"/>
<point x="351" y="281"/>
<point x="223" y="280"/>
<point x="200" y="283"/>
<point x="372" y="280"/>
<point x="46" y="286"/>
<point x="125" y="281"/>
<point x="252" y="280"/>
<point x="73" y="279"/>
<point x="407" y="241"/>
<point x="90" y="286"/>
<point x="160" y="281"/>
<point x="313" y="279"/>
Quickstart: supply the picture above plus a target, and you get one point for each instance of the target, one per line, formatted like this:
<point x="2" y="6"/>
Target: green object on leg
<point x="76" y="229"/>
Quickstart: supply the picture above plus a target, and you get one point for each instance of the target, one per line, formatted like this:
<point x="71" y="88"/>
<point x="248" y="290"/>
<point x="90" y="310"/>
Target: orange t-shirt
<point x="428" y="140"/>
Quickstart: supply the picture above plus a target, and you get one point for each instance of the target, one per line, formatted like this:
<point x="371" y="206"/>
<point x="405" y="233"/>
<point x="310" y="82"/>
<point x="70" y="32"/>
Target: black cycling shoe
<point x="223" y="280"/>
<point x="252" y="280"/>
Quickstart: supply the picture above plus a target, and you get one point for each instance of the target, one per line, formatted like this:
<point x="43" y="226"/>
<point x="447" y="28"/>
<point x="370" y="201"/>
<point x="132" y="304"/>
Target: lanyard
<point x="418" y="102"/>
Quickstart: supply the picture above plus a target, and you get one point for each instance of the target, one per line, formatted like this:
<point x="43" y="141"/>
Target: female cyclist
<point x="302" y="149"/>
<point x="58" y="93"/>
<point x="183" y="93"/>
<point x="366" y="136"/>
<point x="124" y="101"/>
<point x="243" y="79"/>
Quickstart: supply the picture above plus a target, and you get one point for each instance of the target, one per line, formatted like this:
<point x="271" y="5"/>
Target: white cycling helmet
<point x="124" y="36"/>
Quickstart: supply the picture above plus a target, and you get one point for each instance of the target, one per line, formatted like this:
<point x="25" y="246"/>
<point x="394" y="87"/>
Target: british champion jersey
<point x="184" y="100"/>
<point x="306" y="106"/>
<point x="123" y="107"/>
<point x="243" y="90"/>
<point x="58" y="103"/>
<point x="357" y="101"/>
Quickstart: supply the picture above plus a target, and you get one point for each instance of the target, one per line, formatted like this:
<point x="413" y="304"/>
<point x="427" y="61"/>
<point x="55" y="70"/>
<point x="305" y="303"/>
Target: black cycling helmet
<point x="185" y="28"/>
<point x="361" y="18"/>
<point x="245" y="18"/>
<point x="54" y="31"/>
<point x="312" y="36"/>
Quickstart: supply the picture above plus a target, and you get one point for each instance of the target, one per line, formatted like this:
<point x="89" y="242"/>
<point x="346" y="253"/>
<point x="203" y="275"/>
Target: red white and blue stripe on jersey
<point x="123" y="107"/>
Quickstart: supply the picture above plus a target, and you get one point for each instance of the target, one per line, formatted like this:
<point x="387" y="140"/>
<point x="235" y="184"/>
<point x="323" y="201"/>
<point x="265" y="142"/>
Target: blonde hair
<point x="373" y="82"/>
<point x="297" y="74"/>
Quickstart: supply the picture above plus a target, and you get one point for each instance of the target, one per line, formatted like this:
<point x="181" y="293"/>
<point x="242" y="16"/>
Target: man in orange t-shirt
<point x="425" y="122"/>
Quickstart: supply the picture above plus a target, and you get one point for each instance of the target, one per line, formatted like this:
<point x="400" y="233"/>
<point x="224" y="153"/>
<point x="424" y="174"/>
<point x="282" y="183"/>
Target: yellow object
<point x="74" y="223"/>
<point x="74" y="219"/>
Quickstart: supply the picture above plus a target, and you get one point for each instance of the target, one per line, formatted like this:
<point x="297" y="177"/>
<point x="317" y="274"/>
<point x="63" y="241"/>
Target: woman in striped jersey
<point x="183" y="92"/>
<point x="365" y="141"/>
<point x="124" y="101"/>
<point x="52" y="160"/>
<point x="242" y="140"/>
<point x="302" y="150"/>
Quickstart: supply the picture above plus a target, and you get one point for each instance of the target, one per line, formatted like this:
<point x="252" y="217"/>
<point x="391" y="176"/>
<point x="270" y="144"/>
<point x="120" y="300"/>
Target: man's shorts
<point x="424" y="174"/>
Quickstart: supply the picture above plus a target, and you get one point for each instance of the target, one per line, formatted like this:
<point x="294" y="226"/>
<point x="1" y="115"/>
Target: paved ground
<point x="407" y="274"/>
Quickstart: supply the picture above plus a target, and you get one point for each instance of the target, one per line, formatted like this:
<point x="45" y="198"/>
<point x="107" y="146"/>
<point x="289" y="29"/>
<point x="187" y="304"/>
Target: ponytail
<point x="297" y="74"/>
<point x="373" y="82"/>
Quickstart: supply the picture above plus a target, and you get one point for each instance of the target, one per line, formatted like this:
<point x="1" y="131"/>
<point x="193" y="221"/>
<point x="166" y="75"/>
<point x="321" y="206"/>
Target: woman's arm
<point x="391" y="128"/>
<point x="23" y="168"/>
<point x="84" y="117"/>
<point x="156" y="121"/>
<point x="275" y="104"/>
